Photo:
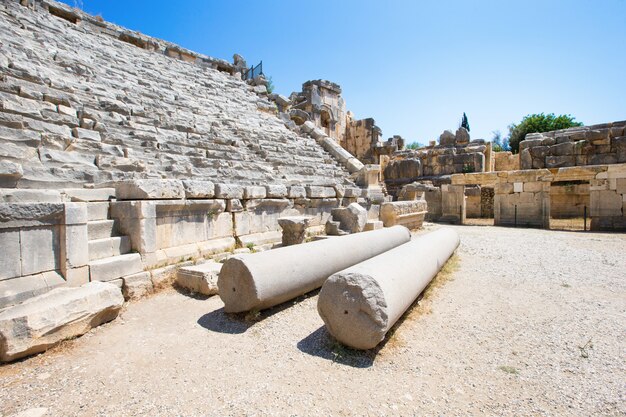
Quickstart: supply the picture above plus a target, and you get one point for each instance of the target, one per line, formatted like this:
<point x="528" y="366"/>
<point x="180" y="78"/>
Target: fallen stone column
<point x="360" y="304"/>
<point x="265" y="279"/>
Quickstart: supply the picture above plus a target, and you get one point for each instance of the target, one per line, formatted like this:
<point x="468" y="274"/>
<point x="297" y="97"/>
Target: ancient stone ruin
<point x="128" y="162"/>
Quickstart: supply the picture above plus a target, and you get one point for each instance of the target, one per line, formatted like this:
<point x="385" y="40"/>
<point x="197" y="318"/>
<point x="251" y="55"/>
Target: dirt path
<point x="532" y="323"/>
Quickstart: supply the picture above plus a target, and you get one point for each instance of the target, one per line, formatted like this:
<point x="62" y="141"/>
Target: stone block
<point x="63" y="313"/>
<point x="147" y="189"/>
<point x="297" y="191"/>
<point x="234" y="206"/>
<point x="85" y="134"/>
<point x="87" y="195"/>
<point x="215" y="246"/>
<point x="75" y="277"/>
<point x="198" y="189"/>
<point x="10" y="261"/>
<point x="294" y="229"/>
<point x="405" y="213"/>
<point x="228" y="191"/>
<point x="276" y="191"/>
<point x="97" y="211"/>
<point x="163" y="276"/>
<point x="20" y="215"/>
<point x="606" y="203"/>
<point x="39" y="247"/>
<point x="315" y="191"/>
<point x="115" y="267"/>
<point x="518" y="187"/>
<point x="137" y="285"/>
<point x="74" y="249"/>
<point x="201" y="279"/>
<point x="254" y="192"/>
<point x="351" y="219"/>
<point x="620" y="186"/>
<point x="562" y="149"/>
<point x="13" y="195"/>
<point x="373" y="225"/>
<point x="533" y="187"/>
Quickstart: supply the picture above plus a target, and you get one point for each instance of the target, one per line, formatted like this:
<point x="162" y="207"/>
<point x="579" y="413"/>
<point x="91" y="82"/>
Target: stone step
<point x="100" y="229"/>
<point x="108" y="269"/>
<point x="108" y="247"/>
<point x="98" y="211"/>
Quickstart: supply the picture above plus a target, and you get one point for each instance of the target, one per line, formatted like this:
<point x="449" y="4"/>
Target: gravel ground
<point x="531" y="323"/>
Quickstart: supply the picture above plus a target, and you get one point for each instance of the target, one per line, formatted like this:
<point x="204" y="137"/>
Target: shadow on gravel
<point x="237" y="323"/>
<point x="321" y="344"/>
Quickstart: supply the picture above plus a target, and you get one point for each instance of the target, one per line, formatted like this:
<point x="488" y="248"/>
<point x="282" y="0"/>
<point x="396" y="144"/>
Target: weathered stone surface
<point x="228" y="191"/>
<point x="198" y="189"/>
<point x="201" y="279"/>
<point x="265" y="279"/>
<point x="137" y="285"/>
<point x="447" y="138"/>
<point x="410" y="213"/>
<point x="254" y="191"/>
<point x="294" y="229"/>
<point x="276" y="191"/>
<point x="462" y="136"/>
<point x="41" y="322"/>
<point x="149" y="189"/>
<point x="361" y="303"/>
<point x="351" y="219"/>
<point x="313" y="191"/>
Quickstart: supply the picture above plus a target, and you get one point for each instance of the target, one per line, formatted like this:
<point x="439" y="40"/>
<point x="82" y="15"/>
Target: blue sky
<point x="415" y="66"/>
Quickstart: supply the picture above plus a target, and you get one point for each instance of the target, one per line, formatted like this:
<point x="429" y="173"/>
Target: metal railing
<point x="253" y="71"/>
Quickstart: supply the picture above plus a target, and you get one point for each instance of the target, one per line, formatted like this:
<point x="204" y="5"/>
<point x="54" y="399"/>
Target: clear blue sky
<point x="415" y="66"/>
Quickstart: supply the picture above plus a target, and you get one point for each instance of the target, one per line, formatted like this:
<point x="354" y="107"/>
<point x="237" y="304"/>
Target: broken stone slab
<point x="137" y="285"/>
<point x="351" y="219"/>
<point x="42" y="322"/>
<point x="201" y="279"/>
<point x="148" y="189"/>
<point x="294" y="229"/>
<point x="361" y="303"/>
<point x="265" y="279"/>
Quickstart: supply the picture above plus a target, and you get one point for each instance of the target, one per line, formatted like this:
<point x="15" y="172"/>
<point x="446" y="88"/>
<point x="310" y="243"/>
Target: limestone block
<point x="352" y="192"/>
<point x="361" y="303"/>
<point x="97" y="211"/>
<point x="351" y="219"/>
<point x="148" y="189"/>
<point x="406" y="213"/>
<point x="137" y="285"/>
<point x="198" y="189"/>
<point x="11" y="170"/>
<point x="276" y="191"/>
<point x="532" y="187"/>
<point x="12" y="195"/>
<point x="21" y="215"/>
<point x="234" y="205"/>
<point x="263" y="238"/>
<point x="75" y="277"/>
<point x="10" y="261"/>
<point x="606" y="203"/>
<point x="85" y="194"/>
<point x="526" y="159"/>
<point x="39" y="247"/>
<point x="215" y="246"/>
<point x="265" y="279"/>
<point x="201" y="279"/>
<point x="16" y="290"/>
<point x="562" y="149"/>
<point x="297" y="191"/>
<point x="447" y="138"/>
<point x="598" y="185"/>
<point x="74" y="250"/>
<point x="116" y="267"/>
<point x="228" y="191"/>
<point x="620" y="186"/>
<point x="373" y="225"/>
<point x="63" y="313"/>
<point x="462" y="136"/>
<point x="85" y="134"/>
<point x="254" y="191"/>
<point x="66" y="110"/>
<point x="314" y="191"/>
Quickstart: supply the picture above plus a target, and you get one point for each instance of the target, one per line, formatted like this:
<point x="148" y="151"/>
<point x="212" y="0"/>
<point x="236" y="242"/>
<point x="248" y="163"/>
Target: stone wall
<point x="84" y="101"/>
<point x="569" y="199"/>
<point x="361" y="139"/>
<point x="587" y="145"/>
<point x="506" y="161"/>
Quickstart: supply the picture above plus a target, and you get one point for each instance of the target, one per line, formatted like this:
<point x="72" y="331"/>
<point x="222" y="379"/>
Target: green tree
<point x="499" y="144"/>
<point x="414" y="145"/>
<point x="538" y="123"/>
<point x="465" y="123"/>
<point x="270" y="85"/>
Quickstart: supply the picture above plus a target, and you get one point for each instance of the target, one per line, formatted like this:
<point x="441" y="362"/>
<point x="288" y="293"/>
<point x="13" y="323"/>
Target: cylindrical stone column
<point x="265" y="279"/>
<point x="361" y="303"/>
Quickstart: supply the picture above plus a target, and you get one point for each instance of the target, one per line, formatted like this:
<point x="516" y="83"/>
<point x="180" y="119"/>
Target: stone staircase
<point x="109" y="253"/>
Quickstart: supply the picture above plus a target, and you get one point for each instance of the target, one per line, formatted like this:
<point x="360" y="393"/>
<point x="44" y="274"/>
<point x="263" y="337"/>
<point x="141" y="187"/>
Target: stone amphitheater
<point x="131" y="166"/>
